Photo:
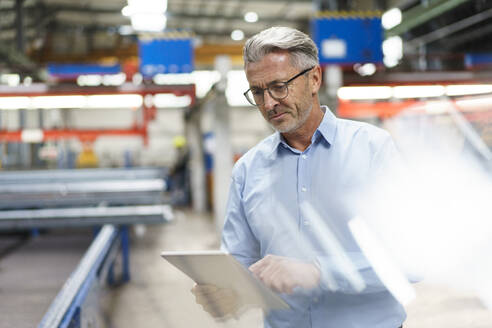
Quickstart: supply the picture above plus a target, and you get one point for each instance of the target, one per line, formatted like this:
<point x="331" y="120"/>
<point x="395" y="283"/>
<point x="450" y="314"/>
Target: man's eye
<point x="256" y="92"/>
<point x="277" y="88"/>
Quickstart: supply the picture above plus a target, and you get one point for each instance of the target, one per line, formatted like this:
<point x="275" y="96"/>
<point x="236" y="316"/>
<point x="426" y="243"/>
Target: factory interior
<point x="121" y="122"/>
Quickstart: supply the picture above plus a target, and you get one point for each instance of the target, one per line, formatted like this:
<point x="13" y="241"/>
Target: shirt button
<point x="303" y="189"/>
<point x="306" y="222"/>
<point x="304" y="156"/>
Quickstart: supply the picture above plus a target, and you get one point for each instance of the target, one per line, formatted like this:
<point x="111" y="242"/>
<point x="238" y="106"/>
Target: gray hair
<point x="303" y="51"/>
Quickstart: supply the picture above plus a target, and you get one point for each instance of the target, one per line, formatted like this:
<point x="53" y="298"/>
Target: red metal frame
<point x="148" y="113"/>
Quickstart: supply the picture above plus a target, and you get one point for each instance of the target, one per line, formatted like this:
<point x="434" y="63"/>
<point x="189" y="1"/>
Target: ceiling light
<point x="168" y="100"/>
<point x="27" y="81"/>
<point x="32" y="135"/>
<point x="92" y="80"/>
<point x="251" y="17"/>
<point x="15" y="102"/>
<point x="418" y="91"/>
<point x="470" y="89"/>
<point x="149" y="22"/>
<point x="237" y="35"/>
<point x="366" y="69"/>
<point x="147" y="6"/>
<point x="49" y="102"/>
<point x="361" y="93"/>
<point x="391" y="18"/>
<point x="126" y="11"/>
<point x="12" y="80"/>
<point x="392" y="50"/>
<point x="114" y="101"/>
<point x="146" y="15"/>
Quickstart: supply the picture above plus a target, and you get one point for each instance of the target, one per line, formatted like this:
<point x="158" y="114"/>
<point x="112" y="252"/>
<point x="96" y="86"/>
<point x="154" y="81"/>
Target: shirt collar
<point x="326" y="129"/>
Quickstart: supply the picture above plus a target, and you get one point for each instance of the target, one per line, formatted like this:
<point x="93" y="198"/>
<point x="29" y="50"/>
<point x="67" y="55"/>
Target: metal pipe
<point x="83" y="217"/>
<point x="92" y="260"/>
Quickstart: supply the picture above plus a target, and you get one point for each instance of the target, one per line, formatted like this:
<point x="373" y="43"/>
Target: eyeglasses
<point x="276" y="90"/>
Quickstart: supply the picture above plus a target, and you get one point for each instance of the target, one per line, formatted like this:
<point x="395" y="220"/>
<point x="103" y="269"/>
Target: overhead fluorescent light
<point x="169" y="100"/>
<point x="114" y="101"/>
<point x="91" y="80"/>
<point x="361" y="93"/>
<point x="418" y="91"/>
<point x="48" y="102"/>
<point x="15" y="102"/>
<point x="470" y="89"/>
<point x="32" y="135"/>
<point x="114" y="79"/>
<point x="391" y="18"/>
<point x="10" y="79"/>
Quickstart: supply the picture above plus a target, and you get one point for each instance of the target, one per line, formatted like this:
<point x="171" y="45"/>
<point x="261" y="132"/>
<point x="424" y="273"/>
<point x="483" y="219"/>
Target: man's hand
<point x="220" y="303"/>
<point x="283" y="274"/>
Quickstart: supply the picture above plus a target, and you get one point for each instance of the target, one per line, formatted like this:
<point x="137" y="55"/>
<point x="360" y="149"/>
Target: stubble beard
<point x="296" y="124"/>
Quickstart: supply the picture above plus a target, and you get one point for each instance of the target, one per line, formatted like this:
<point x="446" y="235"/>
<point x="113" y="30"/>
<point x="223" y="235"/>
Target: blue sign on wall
<point x="348" y="39"/>
<point x="478" y="60"/>
<point x="74" y="70"/>
<point x="162" y="56"/>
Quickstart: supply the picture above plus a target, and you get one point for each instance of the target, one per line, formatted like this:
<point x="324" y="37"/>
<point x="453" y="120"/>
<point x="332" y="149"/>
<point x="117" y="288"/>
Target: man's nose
<point x="268" y="101"/>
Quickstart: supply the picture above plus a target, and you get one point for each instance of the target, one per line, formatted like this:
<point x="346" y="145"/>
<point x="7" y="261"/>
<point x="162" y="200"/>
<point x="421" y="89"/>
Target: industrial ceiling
<point x="436" y="33"/>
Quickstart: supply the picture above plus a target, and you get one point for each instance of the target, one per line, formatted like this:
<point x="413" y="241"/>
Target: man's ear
<point x="316" y="79"/>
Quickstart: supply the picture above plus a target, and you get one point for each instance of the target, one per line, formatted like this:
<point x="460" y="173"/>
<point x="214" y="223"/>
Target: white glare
<point x="114" y="101"/>
<point x="251" y="17"/>
<point x="12" y="80"/>
<point x="391" y="18"/>
<point x="237" y="35"/>
<point x="418" y="91"/>
<point x="360" y="93"/>
<point x="432" y="212"/>
<point x="15" y="102"/>
<point x="149" y="22"/>
<point x="168" y="100"/>
<point x="468" y="89"/>
<point x="387" y="271"/>
<point x="392" y="50"/>
<point x="48" y="102"/>
<point x="32" y="135"/>
<point x="366" y="69"/>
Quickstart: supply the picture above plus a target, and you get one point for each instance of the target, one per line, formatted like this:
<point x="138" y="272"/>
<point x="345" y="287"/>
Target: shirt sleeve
<point x="237" y="237"/>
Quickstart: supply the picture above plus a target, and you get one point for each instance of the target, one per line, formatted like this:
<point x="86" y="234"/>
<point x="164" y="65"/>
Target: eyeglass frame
<point x="285" y="83"/>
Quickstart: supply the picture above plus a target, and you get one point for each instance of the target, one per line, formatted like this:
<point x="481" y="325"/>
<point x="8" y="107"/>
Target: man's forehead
<point x="268" y="70"/>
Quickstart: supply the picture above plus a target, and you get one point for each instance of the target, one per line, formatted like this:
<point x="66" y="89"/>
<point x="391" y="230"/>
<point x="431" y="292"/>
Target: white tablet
<point x="224" y="271"/>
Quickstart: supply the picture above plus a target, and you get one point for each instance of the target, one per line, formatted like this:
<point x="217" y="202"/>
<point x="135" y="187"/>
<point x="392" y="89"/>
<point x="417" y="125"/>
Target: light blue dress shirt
<point x="290" y="203"/>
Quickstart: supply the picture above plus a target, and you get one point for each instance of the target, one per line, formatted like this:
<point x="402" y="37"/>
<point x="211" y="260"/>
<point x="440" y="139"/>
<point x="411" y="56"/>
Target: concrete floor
<point x="33" y="272"/>
<point x="158" y="295"/>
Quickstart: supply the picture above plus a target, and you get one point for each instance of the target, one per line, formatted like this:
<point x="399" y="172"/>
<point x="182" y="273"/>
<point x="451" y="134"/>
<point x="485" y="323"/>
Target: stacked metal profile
<point x="57" y="198"/>
<point x="107" y="198"/>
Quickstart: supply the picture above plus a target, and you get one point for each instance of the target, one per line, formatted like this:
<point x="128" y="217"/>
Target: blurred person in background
<point x="313" y="161"/>
<point x="179" y="174"/>
<point x="87" y="158"/>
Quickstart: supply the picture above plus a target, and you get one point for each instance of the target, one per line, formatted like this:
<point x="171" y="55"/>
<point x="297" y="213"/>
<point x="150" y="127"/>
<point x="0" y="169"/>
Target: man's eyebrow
<point x="268" y="84"/>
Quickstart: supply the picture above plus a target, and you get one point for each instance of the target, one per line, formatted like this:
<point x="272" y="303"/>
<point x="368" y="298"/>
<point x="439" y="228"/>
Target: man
<point x="292" y="195"/>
